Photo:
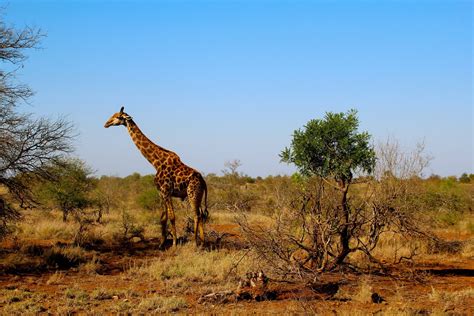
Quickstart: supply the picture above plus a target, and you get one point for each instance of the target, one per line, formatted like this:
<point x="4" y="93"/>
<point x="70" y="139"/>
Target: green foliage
<point x="232" y="191"/>
<point x="449" y="218"/>
<point x="133" y="177"/>
<point x="70" y="188"/>
<point x="7" y="215"/>
<point x="445" y="194"/>
<point x="465" y="178"/>
<point x="297" y="179"/>
<point x="149" y="197"/>
<point x="331" y="147"/>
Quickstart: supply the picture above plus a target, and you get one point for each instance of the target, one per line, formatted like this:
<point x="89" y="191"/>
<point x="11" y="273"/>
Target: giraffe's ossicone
<point x="173" y="178"/>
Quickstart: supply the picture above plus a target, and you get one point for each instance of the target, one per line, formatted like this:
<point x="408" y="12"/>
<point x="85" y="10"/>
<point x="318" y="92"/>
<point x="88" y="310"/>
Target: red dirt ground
<point x="407" y="289"/>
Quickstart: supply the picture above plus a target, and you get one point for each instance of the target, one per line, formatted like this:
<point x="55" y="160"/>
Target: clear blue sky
<point x="222" y="80"/>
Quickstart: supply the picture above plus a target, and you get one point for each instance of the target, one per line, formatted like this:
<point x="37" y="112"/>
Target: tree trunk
<point x="344" y="233"/>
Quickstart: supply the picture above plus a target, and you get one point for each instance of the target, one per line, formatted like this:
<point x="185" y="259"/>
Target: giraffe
<point x="173" y="178"/>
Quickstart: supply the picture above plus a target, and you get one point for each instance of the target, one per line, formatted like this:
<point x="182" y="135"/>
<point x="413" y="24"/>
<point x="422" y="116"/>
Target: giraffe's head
<point x="117" y="119"/>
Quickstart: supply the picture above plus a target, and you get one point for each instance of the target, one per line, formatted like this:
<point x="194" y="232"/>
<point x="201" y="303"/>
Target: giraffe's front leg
<point x="171" y="216"/>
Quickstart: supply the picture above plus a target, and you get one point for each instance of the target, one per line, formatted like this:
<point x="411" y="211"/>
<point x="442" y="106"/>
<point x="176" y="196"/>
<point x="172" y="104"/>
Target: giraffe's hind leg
<point x="172" y="218"/>
<point x="201" y="227"/>
<point x="195" y="196"/>
<point x="198" y="227"/>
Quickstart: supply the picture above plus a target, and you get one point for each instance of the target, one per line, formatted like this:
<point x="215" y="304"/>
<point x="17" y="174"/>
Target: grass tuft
<point x="64" y="257"/>
<point x="55" y="278"/>
<point x="160" y="304"/>
<point x="364" y="291"/>
<point x="189" y="266"/>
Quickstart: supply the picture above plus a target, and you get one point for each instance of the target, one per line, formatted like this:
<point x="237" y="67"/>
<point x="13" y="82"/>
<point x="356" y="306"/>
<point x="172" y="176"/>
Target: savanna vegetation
<point x="92" y="245"/>
<point x="358" y="229"/>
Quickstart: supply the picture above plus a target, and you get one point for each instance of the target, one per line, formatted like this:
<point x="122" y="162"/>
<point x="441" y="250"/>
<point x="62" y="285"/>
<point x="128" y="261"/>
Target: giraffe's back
<point x="174" y="177"/>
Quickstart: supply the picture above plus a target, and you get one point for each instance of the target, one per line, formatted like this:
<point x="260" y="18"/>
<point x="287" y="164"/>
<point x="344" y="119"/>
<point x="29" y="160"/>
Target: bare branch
<point x="27" y="144"/>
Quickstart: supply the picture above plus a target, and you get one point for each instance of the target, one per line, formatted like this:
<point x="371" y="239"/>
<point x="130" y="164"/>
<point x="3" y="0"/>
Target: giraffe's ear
<point x="121" y="110"/>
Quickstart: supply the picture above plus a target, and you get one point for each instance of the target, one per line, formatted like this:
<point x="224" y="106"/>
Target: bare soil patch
<point x="64" y="285"/>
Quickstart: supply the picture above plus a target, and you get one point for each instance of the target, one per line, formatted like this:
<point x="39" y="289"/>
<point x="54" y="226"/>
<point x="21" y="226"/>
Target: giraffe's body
<point x="173" y="178"/>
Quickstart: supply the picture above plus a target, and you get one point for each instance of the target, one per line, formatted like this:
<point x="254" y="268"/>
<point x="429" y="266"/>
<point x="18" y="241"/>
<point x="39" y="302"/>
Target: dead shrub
<point x="86" y="235"/>
<point x="323" y="224"/>
<point x="129" y="228"/>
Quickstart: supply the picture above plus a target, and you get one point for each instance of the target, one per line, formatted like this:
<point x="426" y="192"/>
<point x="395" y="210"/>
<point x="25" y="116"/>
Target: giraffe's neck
<point x="155" y="154"/>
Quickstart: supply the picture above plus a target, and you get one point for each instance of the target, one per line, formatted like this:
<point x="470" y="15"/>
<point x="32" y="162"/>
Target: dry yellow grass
<point x="45" y="228"/>
<point x="468" y="250"/>
<point x="157" y="304"/>
<point x="364" y="291"/>
<point x="55" y="278"/>
<point x="451" y="298"/>
<point x="91" y="266"/>
<point x="168" y="281"/>
<point x="186" y="266"/>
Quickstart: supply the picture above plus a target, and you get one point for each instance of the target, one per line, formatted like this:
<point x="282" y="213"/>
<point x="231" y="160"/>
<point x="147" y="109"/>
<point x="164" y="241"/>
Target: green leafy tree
<point x="71" y="189"/>
<point x="464" y="178"/>
<point x="331" y="148"/>
<point x="149" y="197"/>
<point x="334" y="150"/>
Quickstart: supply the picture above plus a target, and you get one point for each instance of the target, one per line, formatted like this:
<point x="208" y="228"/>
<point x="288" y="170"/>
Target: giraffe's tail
<point x="204" y="212"/>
